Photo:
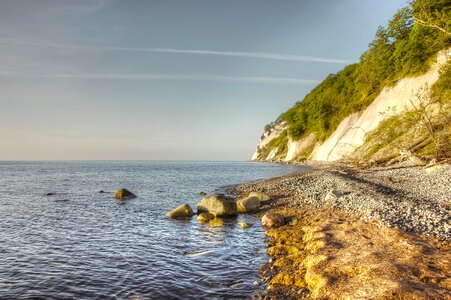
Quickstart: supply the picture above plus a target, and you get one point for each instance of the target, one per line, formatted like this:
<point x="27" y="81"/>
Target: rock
<point x="216" y="222"/>
<point x="333" y="195"/>
<point x="261" y="196"/>
<point x="245" y="224"/>
<point x="124" y="194"/>
<point x="183" y="211"/>
<point x="205" y="217"/>
<point x="62" y="200"/>
<point x="218" y="204"/>
<point x="273" y="220"/>
<point x="417" y="161"/>
<point x="432" y="169"/>
<point x="247" y="204"/>
<point x="203" y="194"/>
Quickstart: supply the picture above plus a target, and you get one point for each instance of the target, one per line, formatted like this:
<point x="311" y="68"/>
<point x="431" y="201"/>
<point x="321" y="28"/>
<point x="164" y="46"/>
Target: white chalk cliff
<point x="266" y="138"/>
<point x="351" y="132"/>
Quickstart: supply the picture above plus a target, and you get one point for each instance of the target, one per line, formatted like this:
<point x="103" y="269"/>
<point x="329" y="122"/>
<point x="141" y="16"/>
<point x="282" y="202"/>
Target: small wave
<point x="198" y="253"/>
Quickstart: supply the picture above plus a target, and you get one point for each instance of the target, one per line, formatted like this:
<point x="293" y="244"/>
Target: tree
<point x="433" y="13"/>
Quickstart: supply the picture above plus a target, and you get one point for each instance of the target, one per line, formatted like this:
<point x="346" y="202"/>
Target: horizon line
<point x="106" y="160"/>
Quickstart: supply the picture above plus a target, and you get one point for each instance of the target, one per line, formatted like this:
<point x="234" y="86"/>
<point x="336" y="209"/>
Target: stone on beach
<point x="205" y="217"/>
<point x="124" y="194"/>
<point x="273" y="220"/>
<point x="333" y="195"/>
<point x="261" y="196"/>
<point x="434" y="168"/>
<point x="247" y="204"/>
<point x="218" y="204"/>
<point x="183" y="211"/>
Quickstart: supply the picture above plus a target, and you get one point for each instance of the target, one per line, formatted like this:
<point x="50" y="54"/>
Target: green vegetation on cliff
<point x="406" y="47"/>
<point x="424" y="130"/>
<point x="279" y="143"/>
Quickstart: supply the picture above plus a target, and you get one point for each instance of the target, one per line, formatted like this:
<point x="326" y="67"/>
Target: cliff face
<point x="352" y="130"/>
<point x="266" y="137"/>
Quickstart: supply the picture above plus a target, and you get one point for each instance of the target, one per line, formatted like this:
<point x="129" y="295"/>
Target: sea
<point x="61" y="238"/>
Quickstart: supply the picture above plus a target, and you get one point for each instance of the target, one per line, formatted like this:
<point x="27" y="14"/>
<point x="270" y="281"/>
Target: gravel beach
<point x="416" y="199"/>
<point x="358" y="233"/>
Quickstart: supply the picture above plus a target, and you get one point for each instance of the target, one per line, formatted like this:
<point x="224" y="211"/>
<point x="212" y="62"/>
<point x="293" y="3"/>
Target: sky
<point x="169" y="79"/>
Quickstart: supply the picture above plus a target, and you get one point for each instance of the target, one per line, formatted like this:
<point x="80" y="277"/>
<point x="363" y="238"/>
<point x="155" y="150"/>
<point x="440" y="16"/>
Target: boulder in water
<point x="247" y="204"/>
<point x="183" y="211"/>
<point x="205" y="217"/>
<point x="245" y="224"/>
<point x="261" y="196"/>
<point x="217" y="204"/>
<point x="216" y="222"/>
<point x="273" y="220"/>
<point x="124" y="194"/>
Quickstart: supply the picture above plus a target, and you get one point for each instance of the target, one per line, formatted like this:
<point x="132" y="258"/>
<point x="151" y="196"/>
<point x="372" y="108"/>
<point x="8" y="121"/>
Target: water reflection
<point x="84" y="244"/>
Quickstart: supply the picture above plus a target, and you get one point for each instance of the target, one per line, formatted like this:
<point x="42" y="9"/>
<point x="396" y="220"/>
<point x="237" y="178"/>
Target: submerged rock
<point x="205" y="217"/>
<point x="124" y="194"/>
<point x="62" y="200"/>
<point x="216" y="222"/>
<point x="218" y="204"/>
<point x="247" y="204"/>
<point x="245" y="224"/>
<point x="203" y="194"/>
<point x="183" y="211"/>
<point x="261" y="196"/>
<point x="273" y="220"/>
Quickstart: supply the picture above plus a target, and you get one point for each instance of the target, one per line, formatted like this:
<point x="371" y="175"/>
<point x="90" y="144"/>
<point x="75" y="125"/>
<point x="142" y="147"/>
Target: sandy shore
<point x="379" y="233"/>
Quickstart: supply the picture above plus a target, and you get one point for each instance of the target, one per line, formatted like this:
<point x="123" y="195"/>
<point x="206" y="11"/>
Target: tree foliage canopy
<point x="406" y="47"/>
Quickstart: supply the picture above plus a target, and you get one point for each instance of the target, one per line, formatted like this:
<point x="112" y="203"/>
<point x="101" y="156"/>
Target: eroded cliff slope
<point x="276" y="145"/>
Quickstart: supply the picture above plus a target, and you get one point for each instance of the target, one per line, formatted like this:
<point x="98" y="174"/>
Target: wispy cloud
<point x="154" y="77"/>
<point x="82" y="7"/>
<point x="260" y="55"/>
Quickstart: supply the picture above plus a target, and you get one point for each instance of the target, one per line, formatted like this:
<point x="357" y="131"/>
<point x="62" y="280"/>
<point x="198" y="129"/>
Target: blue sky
<point x="165" y="80"/>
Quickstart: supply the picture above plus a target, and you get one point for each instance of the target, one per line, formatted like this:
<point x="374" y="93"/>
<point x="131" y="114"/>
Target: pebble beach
<point x="381" y="232"/>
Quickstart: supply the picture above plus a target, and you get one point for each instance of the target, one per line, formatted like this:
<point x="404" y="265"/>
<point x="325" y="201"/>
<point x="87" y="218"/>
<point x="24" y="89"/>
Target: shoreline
<point x="358" y="233"/>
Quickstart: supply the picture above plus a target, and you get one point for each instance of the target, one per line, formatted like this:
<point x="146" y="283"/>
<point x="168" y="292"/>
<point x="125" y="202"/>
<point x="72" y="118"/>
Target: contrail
<point x="153" y="77"/>
<point x="260" y="55"/>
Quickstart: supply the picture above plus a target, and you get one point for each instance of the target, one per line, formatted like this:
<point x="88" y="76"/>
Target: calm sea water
<point x="82" y="244"/>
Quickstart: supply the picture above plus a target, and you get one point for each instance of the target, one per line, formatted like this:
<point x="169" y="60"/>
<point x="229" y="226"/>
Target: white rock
<point x="333" y="195"/>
